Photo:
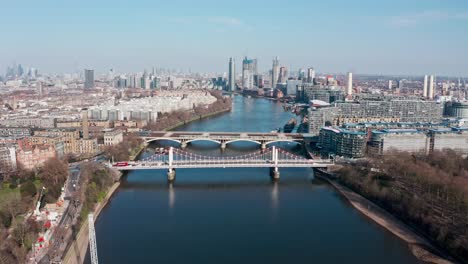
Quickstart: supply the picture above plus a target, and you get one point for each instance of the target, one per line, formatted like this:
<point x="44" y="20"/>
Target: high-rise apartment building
<point x="425" y="86"/>
<point x="249" y="69"/>
<point x="275" y="73"/>
<point x="310" y="75"/>
<point x="89" y="79"/>
<point x="283" y="75"/>
<point x="232" y="75"/>
<point x="431" y="87"/>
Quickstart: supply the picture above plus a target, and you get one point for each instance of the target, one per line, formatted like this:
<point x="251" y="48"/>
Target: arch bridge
<point x="222" y="138"/>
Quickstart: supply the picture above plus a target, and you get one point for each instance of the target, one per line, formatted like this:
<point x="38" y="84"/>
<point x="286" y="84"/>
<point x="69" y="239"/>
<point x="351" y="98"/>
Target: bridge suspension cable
<point x="183" y="159"/>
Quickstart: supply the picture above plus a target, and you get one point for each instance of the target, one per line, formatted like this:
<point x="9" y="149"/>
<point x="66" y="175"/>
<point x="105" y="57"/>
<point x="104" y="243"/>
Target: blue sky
<point x="365" y="36"/>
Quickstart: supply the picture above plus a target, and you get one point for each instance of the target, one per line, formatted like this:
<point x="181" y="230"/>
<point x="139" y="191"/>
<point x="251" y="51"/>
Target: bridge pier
<point x="183" y="145"/>
<point x="171" y="175"/>
<point x="264" y="146"/>
<point x="274" y="173"/>
<point x="223" y="145"/>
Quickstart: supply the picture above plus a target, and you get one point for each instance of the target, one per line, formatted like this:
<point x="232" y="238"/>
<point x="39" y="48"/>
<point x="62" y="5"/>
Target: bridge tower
<point x="171" y="174"/>
<point x="274" y="172"/>
<point x="223" y="145"/>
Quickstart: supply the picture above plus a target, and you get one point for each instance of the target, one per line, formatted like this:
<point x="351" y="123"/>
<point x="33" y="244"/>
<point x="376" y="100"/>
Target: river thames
<point x="238" y="215"/>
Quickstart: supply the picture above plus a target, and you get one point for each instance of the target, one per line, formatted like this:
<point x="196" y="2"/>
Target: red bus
<point x="121" y="164"/>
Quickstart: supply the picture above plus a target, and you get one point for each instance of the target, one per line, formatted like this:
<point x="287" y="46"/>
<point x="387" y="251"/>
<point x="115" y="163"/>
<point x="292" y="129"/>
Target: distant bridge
<point x="272" y="158"/>
<point x="222" y="138"/>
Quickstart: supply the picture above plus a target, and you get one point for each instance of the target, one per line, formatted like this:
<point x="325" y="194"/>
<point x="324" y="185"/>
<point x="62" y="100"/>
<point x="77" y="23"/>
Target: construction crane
<point x="92" y="240"/>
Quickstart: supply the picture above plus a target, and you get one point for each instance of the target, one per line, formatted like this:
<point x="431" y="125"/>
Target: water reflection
<point x="238" y="215"/>
<point x="274" y="195"/>
<point x="171" y="193"/>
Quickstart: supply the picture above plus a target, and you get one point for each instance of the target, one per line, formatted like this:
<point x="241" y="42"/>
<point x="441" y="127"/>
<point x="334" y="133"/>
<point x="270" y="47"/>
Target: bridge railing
<point x="229" y="161"/>
<point x="232" y="137"/>
<point x="183" y="158"/>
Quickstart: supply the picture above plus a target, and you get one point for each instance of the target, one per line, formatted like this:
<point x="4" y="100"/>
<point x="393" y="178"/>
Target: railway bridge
<point x="222" y="138"/>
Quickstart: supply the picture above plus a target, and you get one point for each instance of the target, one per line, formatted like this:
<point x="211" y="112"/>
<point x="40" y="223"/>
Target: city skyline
<point x="393" y="38"/>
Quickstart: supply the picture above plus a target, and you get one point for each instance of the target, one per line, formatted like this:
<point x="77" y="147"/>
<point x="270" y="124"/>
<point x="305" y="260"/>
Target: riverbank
<point x="137" y="152"/>
<point x="77" y="251"/>
<point x="200" y="117"/>
<point x="420" y="246"/>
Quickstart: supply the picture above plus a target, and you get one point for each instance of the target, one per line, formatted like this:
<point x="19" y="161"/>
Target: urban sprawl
<point x="78" y="116"/>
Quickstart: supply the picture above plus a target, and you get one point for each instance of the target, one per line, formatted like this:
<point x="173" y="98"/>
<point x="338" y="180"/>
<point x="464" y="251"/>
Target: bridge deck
<point x="177" y="134"/>
<point x="225" y="164"/>
<point x="210" y="165"/>
<point x="176" y="158"/>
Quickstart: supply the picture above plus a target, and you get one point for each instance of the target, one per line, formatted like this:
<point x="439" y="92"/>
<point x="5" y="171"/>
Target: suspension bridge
<point x="272" y="158"/>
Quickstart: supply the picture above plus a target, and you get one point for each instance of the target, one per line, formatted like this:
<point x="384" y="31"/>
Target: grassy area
<point x="136" y="151"/>
<point x="6" y="193"/>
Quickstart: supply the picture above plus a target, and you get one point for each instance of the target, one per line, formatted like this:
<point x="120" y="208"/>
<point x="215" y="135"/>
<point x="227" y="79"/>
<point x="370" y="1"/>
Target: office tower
<point x="157" y="83"/>
<point x="310" y="75"/>
<point x="232" y="75"/>
<point x="84" y="123"/>
<point x="301" y="74"/>
<point x="147" y="83"/>
<point x="349" y="89"/>
<point x="258" y="80"/>
<point x="39" y="88"/>
<point x="431" y="87"/>
<point x="111" y="75"/>
<point x="390" y="84"/>
<point x="20" y="70"/>
<point x="425" y="86"/>
<point x="400" y="84"/>
<point x="32" y="73"/>
<point x="275" y="73"/>
<point x="89" y="79"/>
<point x="283" y="75"/>
<point x="248" y="72"/>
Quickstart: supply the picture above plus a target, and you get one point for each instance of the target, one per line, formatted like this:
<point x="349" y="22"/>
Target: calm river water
<point x="238" y="215"/>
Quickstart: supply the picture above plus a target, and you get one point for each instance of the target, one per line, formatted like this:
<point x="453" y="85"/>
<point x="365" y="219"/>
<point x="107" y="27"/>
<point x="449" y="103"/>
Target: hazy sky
<point x="363" y="36"/>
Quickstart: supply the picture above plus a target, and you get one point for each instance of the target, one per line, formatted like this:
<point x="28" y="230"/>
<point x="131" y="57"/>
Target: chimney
<point x="84" y="123"/>
<point x="349" y="88"/>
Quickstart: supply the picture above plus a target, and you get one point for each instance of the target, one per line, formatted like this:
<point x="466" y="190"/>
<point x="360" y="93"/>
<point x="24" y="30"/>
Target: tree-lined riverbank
<point x="420" y="246"/>
<point x="168" y="121"/>
<point x="428" y="192"/>
<point x="129" y="149"/>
